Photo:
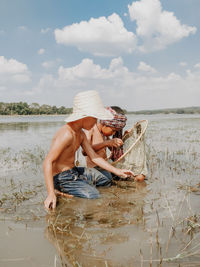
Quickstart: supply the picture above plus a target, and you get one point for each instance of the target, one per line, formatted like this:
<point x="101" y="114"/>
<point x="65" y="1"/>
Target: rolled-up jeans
<point x="81" y="182"/>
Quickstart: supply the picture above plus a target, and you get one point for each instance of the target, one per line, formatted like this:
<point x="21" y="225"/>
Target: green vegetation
<point x="22" y="108"/>
<point x="188" y="110"/>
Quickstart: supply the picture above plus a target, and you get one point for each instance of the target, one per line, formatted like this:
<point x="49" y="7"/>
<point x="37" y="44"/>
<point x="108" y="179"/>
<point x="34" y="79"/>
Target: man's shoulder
<point x="64" y="132"/>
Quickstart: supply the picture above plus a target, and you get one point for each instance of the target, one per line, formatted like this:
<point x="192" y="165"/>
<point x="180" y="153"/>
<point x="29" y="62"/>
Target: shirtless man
<point x="59" y="168"/>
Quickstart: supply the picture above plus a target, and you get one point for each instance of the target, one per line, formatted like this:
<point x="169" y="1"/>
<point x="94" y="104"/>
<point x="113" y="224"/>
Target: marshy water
<point x="154" y="223"/>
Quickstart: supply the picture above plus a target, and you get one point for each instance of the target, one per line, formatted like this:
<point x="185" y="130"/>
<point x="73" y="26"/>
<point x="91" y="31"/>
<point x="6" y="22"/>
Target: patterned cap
<point x="118" y="122"/>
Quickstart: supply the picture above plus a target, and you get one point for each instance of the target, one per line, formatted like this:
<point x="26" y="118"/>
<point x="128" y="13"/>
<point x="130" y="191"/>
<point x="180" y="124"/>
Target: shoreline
<point x="129" y="113"/>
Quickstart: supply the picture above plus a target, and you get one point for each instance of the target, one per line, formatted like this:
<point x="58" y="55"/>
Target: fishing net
<point x="134" y="157"/>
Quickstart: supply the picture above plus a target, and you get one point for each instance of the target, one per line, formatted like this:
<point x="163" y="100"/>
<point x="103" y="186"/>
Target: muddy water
<point x="154" y="223"/>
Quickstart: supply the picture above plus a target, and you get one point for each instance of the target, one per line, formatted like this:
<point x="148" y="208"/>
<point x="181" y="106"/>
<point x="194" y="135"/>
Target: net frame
<point x="136" y="141"/>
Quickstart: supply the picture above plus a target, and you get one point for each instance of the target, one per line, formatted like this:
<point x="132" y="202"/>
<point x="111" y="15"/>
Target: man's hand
<point x="115" y="142"/>
<point x="50" y="202"/>
<point x="124" y="173"/>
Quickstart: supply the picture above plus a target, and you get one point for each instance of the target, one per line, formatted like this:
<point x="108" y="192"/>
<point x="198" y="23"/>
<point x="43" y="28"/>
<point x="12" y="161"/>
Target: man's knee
<point x="108" y="175"/>
<point x="98" y="176"/>
<point x="105" y="177"/>
<point x="90" y="193"/>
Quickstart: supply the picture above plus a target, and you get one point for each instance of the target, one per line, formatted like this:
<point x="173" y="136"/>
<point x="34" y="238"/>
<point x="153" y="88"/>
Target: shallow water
<point x="132" y="224"/>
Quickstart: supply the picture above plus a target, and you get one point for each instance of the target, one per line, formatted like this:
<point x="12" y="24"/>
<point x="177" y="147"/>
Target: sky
<point x="138" y="55"/>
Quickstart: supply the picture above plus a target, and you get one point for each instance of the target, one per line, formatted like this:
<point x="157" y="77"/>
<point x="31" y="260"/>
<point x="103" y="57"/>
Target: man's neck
<point x="76" y="126"/>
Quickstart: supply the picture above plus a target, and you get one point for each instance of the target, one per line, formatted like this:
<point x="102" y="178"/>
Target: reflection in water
<point x="90" y="232"/>
<point x="27" y="126"/>
<point x="4" y="127"/>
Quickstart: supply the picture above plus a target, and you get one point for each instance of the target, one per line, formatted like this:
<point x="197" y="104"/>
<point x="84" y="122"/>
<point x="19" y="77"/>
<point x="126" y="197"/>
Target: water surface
<point x="132" y="224"/>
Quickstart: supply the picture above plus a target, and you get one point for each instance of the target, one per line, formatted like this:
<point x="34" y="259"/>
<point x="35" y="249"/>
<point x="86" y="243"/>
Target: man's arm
<point x="115" y="142"/>
<point x="61" y="142"/>
<point x="101" y="162"/>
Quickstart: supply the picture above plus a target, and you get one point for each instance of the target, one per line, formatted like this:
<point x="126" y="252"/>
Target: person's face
<point x="108" y="131"/>
<point x="89" y="122"/>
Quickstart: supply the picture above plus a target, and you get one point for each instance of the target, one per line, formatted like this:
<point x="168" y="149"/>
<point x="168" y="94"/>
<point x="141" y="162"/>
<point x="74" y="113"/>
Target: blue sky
<point x="138" y="54"/>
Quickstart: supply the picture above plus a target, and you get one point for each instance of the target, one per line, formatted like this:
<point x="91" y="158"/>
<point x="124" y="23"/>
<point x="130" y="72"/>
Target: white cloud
<point x="48" y="64"/>
<point x="86" y="69"/>
<point x="51" y="63"/>
<point x="21" y="78"/>
<point x="197" y="65"/>
<point x="145" y="67"/>
<point x="41" y="51"/>
<point x="183" y="64"/>
<point x="133" y="90"/>
<point x="120" y="86"/>
<point x="2" y="32"/>
<point x="11" y="66"/>
<point x="102" y="36"/>
<point x="22" y="28"/>
<point x="157" y="28"/>
<point x="13" y="71"/>
<point x="46" y="30"/>
<point x="15" y="80"/>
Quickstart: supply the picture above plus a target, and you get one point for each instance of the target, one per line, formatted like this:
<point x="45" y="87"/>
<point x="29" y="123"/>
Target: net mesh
<point x="134" y="157"/>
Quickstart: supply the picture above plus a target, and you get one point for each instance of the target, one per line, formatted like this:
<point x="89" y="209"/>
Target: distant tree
<point x="22" y="108"/>
<point x="45" y="109"/>
<point x="54" y="110"/>
<point x="62" y="110"/>
<point x="180" y="111"/>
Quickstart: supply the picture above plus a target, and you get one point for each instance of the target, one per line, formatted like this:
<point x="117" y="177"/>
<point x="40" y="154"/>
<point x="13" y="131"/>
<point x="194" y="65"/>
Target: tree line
<point x="188" y="110"/>
<point x="22" y="108"/>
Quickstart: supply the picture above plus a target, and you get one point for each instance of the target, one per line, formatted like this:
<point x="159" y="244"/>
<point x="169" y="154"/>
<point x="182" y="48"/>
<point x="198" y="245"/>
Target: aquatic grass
<point x="22" y="159"/>
<point x="194" y="250"/>
<point x="189" y="224"/>
<point x="22" y="201"/>
<point x="179" y="256"/>
<point x="173" y="163"/>
<point x="190" y="188"/>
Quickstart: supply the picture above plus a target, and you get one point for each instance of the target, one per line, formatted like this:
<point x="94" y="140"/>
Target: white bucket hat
<point x="88" y="104"/>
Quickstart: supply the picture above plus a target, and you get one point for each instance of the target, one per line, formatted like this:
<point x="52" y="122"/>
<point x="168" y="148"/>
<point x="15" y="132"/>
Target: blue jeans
<point x="81" y="182"/>
<point x="104" y="172"/>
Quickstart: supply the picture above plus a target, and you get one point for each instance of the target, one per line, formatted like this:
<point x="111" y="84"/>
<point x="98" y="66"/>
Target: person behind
<point x="60" y="172"/>
<point x="99" y="138"/>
